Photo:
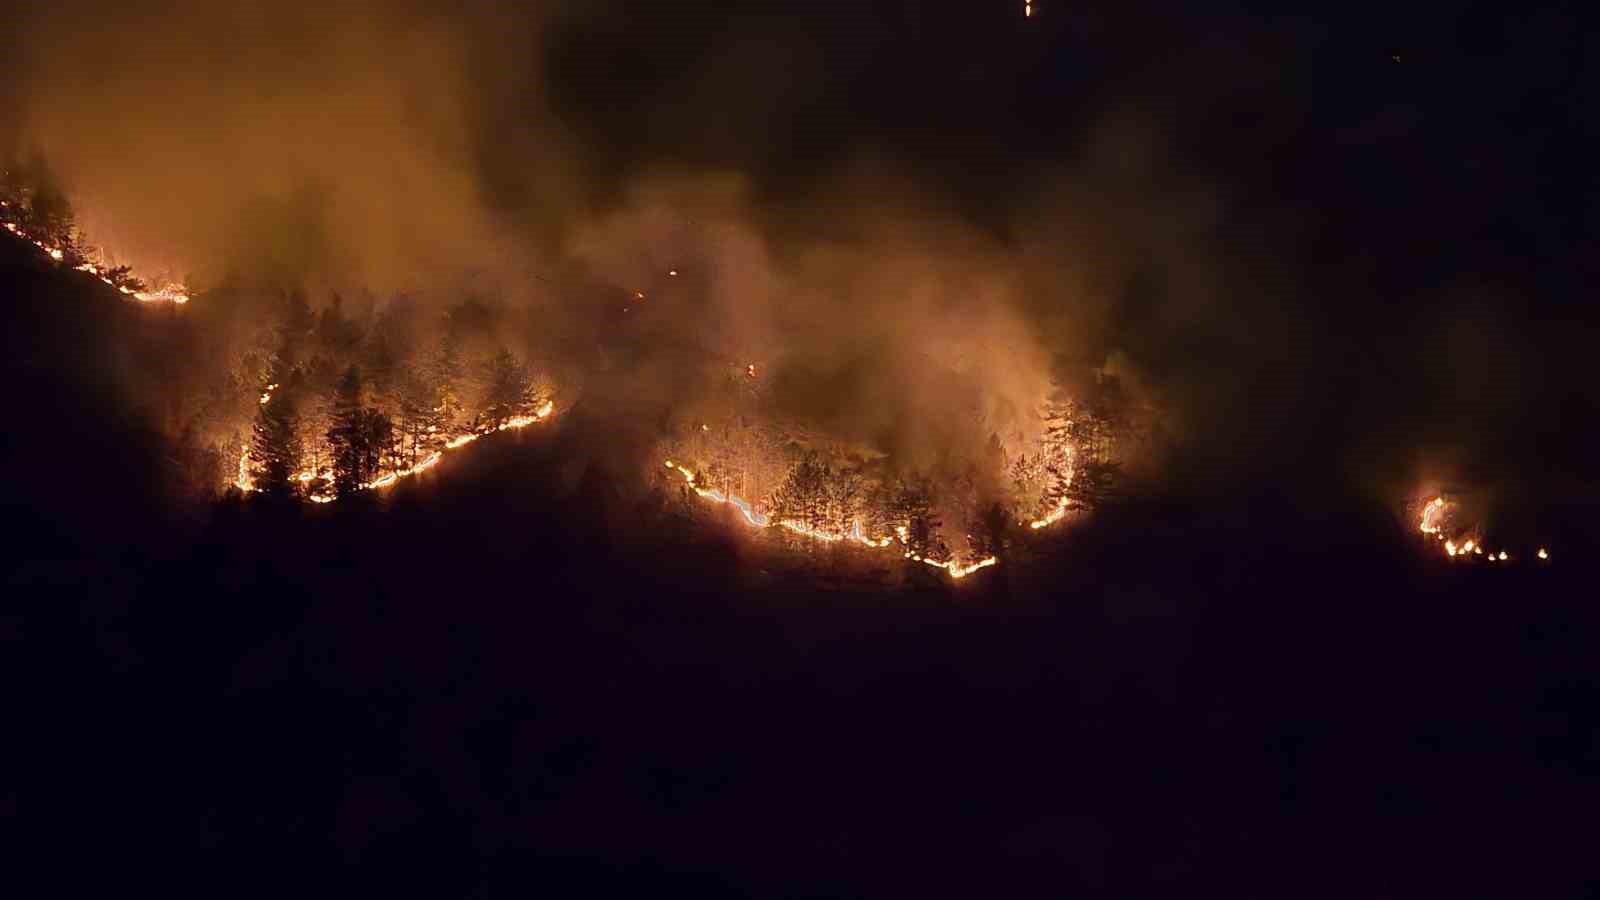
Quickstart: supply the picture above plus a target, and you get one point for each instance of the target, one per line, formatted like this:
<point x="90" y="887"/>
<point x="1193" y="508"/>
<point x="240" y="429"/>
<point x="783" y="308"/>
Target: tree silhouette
<point x="802" y="497"/>
<point x="506" y="387"/>
<point x="274" y="438"/>
<point x="913" y="507"/>
<point x="360" y="436"/>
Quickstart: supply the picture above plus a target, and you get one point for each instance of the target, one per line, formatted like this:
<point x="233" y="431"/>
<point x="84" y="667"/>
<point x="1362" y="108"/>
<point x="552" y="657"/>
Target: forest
<point x="273" y="395"/>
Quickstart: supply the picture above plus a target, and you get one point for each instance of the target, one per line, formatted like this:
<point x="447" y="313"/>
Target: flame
<point x="247" y="485"/>
<point x="854" y="535"/>
<point x="169" y="293"/>
<point x="1435" y="520"/>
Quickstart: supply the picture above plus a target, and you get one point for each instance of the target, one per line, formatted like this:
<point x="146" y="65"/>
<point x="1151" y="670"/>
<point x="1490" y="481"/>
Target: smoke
<point x="571" y="158"/>
<point x="912" y="222"/>
<point x="330" y="141"/>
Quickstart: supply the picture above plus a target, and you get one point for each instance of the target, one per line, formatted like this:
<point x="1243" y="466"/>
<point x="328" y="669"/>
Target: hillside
<point x="521" y="672"/>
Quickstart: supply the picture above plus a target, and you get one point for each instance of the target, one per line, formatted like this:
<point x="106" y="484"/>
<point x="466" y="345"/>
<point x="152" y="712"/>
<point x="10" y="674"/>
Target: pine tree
<point x="993" y="532"/>
<point x="274" y="439"/>
<point x="1094" y="483"/>
<point x="415" y="414"/>
<point x="506" y="387"/>
<point x="442" y="372"/>
<point x="360" y="436"/>
<point x="914" y="512"/>
<point x="801" y="498"/>
<point x="50" y="214"/>
<point x="1057" y="455"/>
<point x="121" y="277"/>
<point x="842" y="495"/>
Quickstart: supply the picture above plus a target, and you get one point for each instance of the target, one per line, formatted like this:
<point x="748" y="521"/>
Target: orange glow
<point x="761" y="520"/>
<point x="1435" y="521"/>
<point x="245" y="483"/>
<point x="170" y="293"/>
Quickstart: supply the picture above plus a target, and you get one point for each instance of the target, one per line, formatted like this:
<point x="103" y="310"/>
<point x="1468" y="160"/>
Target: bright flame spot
<point x="245" y="483"/>
<point x="760" y="520"/>
<point x="1543" y="554"/>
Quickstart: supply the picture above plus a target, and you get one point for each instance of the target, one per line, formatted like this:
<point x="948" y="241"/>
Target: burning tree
<point x="359" y="437"/>
<point x="507" y="387"/>
<point x="802" y="497"/>
<point x="274" y="439"/>
<point x="441" y="370"/>
<point x="416" y="419"/>
<point x="917" y="523"/>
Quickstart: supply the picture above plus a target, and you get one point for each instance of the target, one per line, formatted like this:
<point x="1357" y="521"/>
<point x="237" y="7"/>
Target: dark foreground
<point x="501" y="681"/>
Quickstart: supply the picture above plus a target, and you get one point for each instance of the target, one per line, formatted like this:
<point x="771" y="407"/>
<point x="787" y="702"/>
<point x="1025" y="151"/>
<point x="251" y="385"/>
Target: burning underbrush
<point x="351" y="405"/>
<point x="810" y="491"/>
<point x="44" y="219"/>
<point x="1446" y="523"/>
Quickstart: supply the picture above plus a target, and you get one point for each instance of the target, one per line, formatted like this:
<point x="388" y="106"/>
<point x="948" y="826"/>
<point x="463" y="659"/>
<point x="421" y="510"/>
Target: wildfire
<point x="1435" y="523"/>
<point x="854" y="535"/>
<point x="169" y="293"/>
<point x="1059" y="511"/>
<point x="246" y="484"/>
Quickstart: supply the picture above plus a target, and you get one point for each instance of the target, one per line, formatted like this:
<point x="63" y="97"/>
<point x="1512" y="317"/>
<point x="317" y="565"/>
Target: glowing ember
<point x="246" y="484"/>
<point x="761" y="520"/>
<point x="1435" y="521"/>
<point x="171" y="293"/>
